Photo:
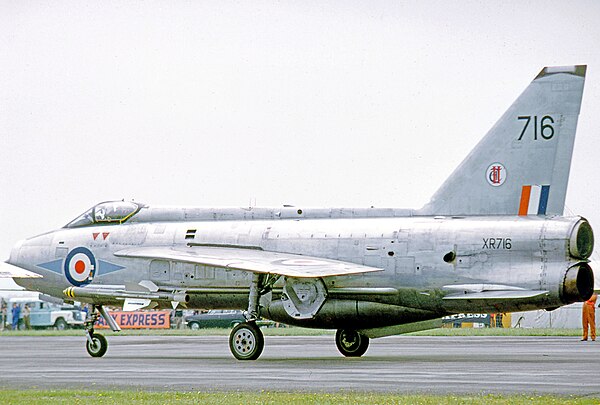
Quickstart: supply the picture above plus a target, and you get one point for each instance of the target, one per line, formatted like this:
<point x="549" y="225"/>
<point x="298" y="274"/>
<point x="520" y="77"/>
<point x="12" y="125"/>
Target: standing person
<point x="589" y="317"/>
<point x="16" y="315"/>
<point x="2" y="313"/>
<point x="26" y="313"/>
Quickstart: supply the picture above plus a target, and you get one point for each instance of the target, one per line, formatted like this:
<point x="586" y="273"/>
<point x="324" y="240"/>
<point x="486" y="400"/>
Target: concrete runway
<point x="403" y="364"/>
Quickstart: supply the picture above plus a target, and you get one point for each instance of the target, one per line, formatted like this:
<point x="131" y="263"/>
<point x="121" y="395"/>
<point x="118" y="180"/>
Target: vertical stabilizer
<point x="521" y="166"/>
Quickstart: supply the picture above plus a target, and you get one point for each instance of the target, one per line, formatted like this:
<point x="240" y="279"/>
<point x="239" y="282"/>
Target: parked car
<point x="47" y="315"/>
<point x="219" y="318"/>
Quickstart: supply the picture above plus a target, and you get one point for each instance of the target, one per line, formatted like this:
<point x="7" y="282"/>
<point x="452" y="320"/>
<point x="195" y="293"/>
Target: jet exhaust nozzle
<point x="581" y="242"/>
<point x="578" y="284"/>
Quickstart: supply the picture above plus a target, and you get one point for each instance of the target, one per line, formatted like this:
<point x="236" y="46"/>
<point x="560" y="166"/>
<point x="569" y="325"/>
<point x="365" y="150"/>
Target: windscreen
<point x="110" y="212"/>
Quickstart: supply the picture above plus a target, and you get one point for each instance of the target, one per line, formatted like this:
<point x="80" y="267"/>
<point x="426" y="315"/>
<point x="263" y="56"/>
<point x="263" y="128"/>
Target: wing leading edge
<point x="256" y="261"/>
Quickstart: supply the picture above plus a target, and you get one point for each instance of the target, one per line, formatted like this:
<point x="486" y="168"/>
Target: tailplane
<point x="521" y="166"/>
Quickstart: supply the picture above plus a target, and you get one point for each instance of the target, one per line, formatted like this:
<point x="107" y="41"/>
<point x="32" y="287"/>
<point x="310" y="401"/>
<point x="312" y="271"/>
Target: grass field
<point x="225" y="398"/>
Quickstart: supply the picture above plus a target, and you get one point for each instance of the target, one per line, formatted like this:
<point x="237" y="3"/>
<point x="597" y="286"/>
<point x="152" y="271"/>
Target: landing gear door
<point x="303" y="298"/>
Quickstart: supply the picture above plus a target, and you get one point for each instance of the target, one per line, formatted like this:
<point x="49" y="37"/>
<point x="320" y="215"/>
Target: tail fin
<point x="522" y="164"/>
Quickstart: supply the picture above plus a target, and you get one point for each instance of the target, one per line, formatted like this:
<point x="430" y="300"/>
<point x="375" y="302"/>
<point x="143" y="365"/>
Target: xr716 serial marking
<point x="497" y="243"/>
<point x="492" y="238"/>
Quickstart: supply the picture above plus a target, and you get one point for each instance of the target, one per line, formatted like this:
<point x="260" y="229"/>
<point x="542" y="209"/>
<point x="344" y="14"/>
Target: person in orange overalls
<point x="589" y="317"/>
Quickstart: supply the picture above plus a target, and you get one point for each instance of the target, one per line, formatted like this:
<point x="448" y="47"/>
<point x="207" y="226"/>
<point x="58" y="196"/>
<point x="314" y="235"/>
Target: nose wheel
<point x="96" y="345"/>
<point x="246" y="341"/>
<point x="351" y="343"/>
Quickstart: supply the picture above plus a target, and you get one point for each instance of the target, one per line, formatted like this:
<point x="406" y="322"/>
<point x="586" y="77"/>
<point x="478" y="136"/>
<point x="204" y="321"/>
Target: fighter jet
<point x="491" y="239"/>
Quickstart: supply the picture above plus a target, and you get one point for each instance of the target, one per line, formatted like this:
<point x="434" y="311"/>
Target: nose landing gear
<point x="96" y="344"/>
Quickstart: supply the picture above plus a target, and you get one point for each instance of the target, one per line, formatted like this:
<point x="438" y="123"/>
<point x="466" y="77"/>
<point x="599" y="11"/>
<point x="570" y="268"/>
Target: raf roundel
<point x="80" y="266"/>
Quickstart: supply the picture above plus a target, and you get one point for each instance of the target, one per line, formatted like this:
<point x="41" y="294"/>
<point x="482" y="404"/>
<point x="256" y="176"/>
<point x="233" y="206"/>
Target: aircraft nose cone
<point x="14" y="253"/>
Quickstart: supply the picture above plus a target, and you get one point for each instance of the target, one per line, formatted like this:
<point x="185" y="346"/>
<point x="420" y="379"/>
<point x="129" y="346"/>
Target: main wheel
<point x="351" y="343"/>
<point x="246" y="341"/>
<point x="194" y="325"/>
<point x="99" y="346"/>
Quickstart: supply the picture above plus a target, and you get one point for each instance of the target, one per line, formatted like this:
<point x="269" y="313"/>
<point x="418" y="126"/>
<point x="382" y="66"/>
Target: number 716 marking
<point x="543" y="126"/>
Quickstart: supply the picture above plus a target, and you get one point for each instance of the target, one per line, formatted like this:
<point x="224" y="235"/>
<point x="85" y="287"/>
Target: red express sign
<point x="138" y="320"/>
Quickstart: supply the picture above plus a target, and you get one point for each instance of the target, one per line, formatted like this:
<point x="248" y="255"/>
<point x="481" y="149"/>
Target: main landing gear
<point x="246" y="341"/>
<point x="96" y="344"/>
<point x="351" y="343"/>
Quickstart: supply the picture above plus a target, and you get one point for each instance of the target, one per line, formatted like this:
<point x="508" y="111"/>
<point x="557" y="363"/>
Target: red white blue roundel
<point x="80" y="266"/>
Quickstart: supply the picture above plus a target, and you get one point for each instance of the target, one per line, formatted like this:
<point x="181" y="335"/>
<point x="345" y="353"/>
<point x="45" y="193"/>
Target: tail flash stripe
<point x="534" y="200"/>
<point x="524" y="205"/>
<point x="543" y="200"/>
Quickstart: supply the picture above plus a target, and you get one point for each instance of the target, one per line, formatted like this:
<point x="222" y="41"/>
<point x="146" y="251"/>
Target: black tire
<point x="61" y="324"/>
<point x="98" y="349"/>
<point x="246" y="341"/>
<point x="351" y="343"/>
<point x="194" y="325"/>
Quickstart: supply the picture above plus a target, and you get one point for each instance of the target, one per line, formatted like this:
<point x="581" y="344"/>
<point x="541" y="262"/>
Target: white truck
<point x="47" y="315"/>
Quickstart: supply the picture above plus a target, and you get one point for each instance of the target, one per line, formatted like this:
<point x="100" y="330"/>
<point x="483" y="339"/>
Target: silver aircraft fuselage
<point x="431" y="266"/>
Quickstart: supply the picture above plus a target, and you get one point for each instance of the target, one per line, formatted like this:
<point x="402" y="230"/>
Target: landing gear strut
<point x="246" y="341"/>
<point x="96" y="344"/>
<point x="351" y="343"/>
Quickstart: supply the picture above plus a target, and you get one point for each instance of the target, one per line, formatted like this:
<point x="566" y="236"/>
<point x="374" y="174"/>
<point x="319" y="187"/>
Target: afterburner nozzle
<point x="578" y="284"/>
<point x="581" y="242"/>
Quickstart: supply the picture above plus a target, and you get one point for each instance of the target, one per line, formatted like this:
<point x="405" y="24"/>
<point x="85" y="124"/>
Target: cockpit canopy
<point x="109" y="212"/>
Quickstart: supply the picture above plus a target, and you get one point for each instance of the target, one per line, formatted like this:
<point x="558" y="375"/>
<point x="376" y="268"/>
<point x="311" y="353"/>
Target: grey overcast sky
<point x="309" y="103"/>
